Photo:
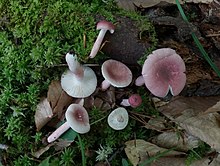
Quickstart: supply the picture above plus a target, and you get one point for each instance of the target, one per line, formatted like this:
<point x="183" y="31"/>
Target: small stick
<point x="213" y="35"/>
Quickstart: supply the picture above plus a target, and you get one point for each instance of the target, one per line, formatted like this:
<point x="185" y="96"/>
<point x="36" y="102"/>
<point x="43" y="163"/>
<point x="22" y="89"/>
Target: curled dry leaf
<point x="181" y="161"/>
<point x="188" y="113"/>
<point x="183" y="142"/>
<point x="42" y="150"/>
<point x="130" y="4"/>
<point x="43" y="113"/>
<point x="64" y="101"/>
<point x="138" y="151"/>
<point x="58" y="98"/>
<point x="157" y="123"/>
<point x="54" y="92"/>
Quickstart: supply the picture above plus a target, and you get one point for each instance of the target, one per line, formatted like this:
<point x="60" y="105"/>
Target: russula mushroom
<point x="103" y="26"/>
<point x="163" y="71"/>
<point x="118" y="118"/>
<point x="79" y="81"/>
<point x="116" y="74"/>
<point x="134" y="101"/>
<point x="77" y="118"/>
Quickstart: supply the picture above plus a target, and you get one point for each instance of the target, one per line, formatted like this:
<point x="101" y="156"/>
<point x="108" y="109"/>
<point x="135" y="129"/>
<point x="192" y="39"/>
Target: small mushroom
<point x="163" y="71"/>
<point x="79" y="81"/>
<point x="134" y="101"/>
<point x="118" y="118"/>
<point x="103" y="26"/>
<point x="116" y="74"/>
<point x="77" y="118"/>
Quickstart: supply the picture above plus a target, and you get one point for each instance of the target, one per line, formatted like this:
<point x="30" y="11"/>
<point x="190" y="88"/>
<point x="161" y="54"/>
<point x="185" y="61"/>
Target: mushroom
<point x="134" y="101"/>
<point x="103" y="26"/>
<point x="116" y="74"/>
<point x="79" y="81"/>
<point x="118" y="118"/>
<point x="77" y="118"/>
<point x="163" y="72"/>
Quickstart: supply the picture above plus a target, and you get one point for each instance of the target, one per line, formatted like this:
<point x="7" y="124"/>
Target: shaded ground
<point x="125" y="45"/>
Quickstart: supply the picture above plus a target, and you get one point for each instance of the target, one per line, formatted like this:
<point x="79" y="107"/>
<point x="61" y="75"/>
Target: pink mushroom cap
<point x="78" y="118"/>
<point x="163" y="70"/>
<point x="105" y="25"/>
<point x="116" y="73"/>
<point x="135" y="100"/>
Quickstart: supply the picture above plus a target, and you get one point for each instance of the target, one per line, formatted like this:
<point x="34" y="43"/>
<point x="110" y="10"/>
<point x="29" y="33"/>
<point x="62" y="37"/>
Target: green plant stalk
<point x="196" y="40"/>
<point x="98" y="120"/>
<point x="82" y="150"/>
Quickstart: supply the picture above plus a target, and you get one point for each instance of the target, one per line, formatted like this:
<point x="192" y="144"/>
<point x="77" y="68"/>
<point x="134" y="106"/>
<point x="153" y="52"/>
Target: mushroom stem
<point x="105" y="85"/>
<point x="139" y="81"/>
<point x="125" y="103"/>
<point x="58" y="132"/>
<point x="97" y="43"/>
<point x="74" y="65"/>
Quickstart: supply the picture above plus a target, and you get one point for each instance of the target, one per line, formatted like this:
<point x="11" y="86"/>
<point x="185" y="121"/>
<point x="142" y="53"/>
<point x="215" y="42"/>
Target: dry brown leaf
<point x="43" y="113"/>
<point x="54" y="92"/>
<point x="188" y="114"/>
<point x="64" y="101"/>
<point x="183" y="142"/>
<point x="130" y="4"/>
<point x="206" y="127"/>
<point x="139" y="150"/>
<point x="214" y="108"/>
<point x="61" y="144"/>
<point x="179" y="104"/>
<point x="181" y="161"/>
<point x="38" y="153"/>
<point x="157" y="123"/>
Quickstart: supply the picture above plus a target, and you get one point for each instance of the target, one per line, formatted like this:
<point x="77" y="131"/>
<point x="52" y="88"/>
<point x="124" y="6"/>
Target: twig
<point x="213" y="35"/>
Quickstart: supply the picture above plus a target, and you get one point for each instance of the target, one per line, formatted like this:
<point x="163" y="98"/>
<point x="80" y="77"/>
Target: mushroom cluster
<point x="162" y="72"/>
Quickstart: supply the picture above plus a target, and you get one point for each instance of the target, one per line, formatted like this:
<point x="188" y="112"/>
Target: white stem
<point x="139" y="81"/>
<point x="97" y="43"/>
<point x="74" y="65"/>
<point x="80" y="101"/>
<point x="58" y="132"/>
<point x="125" y="103"/>
<point x="105" y="85"/>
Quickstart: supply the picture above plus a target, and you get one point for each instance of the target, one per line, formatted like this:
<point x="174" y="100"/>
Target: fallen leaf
<point x="157" y="123"/>
<point x="188" y="113"/>
<point x="181" y="161"/>
<point x="179" y="104"/>
<point x="38" y="153"/>
<point x="54" y="93"/>
<point x="139" y="150"/>
<point x="130" y="4"/>
<point x="61" y="144"/>
<point x="43" y="113"/>
<point x="214" y="108"/>
<point x="183" y="142"/>
<point x="64" y="101"/>
<point x="206" y="127"/>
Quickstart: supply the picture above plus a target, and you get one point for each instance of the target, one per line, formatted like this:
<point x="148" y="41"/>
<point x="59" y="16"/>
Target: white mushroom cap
<point x="116" y="73"/>
<point x="79" y="88"/>
<point x="118" y="118"/>
<point x="78" y="118"/>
